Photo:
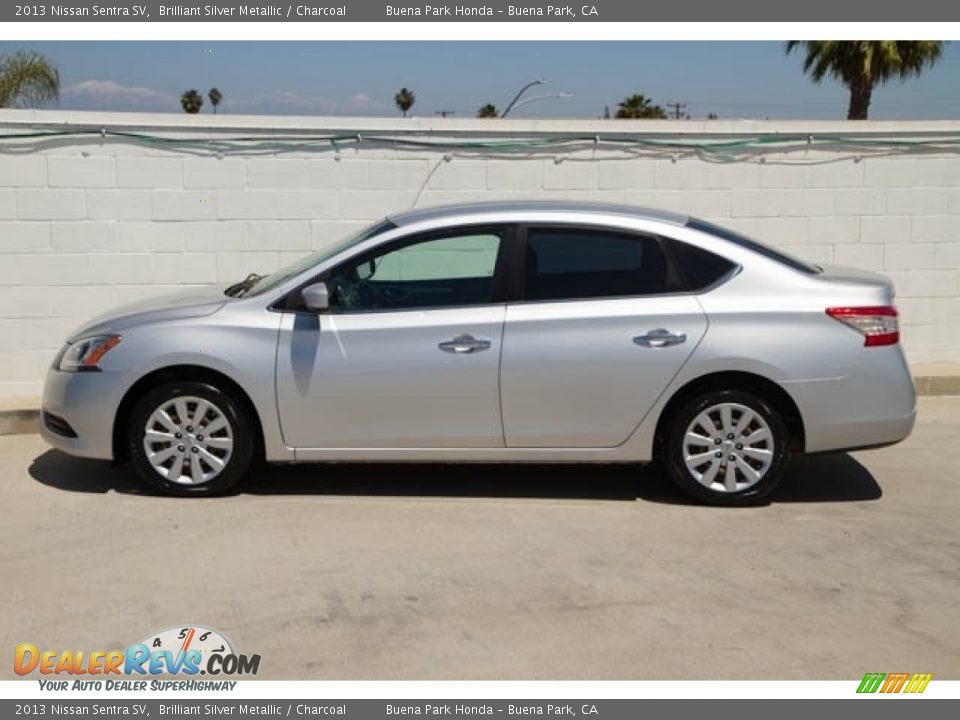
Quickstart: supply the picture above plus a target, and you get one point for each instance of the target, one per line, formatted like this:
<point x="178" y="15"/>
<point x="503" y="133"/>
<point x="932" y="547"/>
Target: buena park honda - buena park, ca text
<point x="567" y="11"/>
<point x="286" y="11"/>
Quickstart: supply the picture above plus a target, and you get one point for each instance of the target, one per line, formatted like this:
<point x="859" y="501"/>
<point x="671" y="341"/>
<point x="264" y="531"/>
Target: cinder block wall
<point x="88" y="223"/>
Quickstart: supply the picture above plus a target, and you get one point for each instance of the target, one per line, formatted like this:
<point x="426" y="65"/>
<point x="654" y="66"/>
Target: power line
<point x="677" y="107"/>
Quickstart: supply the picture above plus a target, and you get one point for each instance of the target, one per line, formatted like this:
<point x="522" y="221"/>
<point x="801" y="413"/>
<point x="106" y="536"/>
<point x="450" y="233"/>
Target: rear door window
<point x="577" y="264"/>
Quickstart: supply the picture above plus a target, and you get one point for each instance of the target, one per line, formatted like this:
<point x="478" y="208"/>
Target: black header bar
<point x="326" y="11"/>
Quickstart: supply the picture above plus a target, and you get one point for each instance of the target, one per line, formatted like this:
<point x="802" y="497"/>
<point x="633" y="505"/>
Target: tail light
<point x="878" y="325"/>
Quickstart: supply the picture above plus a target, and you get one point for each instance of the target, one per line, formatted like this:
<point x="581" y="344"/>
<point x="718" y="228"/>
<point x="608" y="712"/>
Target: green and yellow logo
<point x="894" y="682"/>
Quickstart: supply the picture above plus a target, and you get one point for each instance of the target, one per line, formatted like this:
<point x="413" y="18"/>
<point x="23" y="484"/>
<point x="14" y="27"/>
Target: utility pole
<point x="444" y="113"/>
<point x="677" y="107"/>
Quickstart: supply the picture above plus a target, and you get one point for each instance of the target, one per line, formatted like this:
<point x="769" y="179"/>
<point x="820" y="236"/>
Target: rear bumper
<point x="874" y="403"/>
<point x="866" y="435"/>
<point x="85" y="403"/>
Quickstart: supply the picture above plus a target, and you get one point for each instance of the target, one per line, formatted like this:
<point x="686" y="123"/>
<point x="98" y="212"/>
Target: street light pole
<point x="538" y="81"/>
<point x="542" y="97"/>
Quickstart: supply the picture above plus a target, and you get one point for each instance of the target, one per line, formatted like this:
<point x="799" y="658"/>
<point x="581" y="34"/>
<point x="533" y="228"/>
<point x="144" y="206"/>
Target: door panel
<point x="382" y="380"/>
<point x="585" y="373"/>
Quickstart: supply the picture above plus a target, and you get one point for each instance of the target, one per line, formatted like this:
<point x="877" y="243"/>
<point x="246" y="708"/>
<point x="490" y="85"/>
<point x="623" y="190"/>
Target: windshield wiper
<point x="242" y="287"/>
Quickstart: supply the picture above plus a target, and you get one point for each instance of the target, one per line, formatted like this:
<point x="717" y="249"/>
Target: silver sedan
<point x="506" y="332"/>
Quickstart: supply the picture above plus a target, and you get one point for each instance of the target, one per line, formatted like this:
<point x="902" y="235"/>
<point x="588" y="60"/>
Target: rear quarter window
<point x="757" y="247"/>
<point x="699" y="268"/>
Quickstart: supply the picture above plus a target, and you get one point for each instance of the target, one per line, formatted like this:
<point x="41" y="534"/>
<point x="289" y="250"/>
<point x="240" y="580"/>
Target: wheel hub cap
<point x="188" y="440"/>
<point x="728" y="448"/>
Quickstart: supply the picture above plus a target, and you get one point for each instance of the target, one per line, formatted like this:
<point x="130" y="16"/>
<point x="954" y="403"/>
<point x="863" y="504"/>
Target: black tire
<point x="238" y="461"/>
<point x="751" y="494"/>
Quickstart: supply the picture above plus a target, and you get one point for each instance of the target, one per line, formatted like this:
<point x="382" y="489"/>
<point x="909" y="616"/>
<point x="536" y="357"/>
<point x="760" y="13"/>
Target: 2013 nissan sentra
<point x="503" y="332"/>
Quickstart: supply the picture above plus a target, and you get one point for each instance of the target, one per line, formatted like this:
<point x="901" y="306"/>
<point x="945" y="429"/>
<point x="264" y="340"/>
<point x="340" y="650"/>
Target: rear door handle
<point x="464" y="344"/>
<point x="660" y="338"/>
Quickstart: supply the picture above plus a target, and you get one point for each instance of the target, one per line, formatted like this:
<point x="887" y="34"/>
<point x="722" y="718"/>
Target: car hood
<point x="195" y="302"/>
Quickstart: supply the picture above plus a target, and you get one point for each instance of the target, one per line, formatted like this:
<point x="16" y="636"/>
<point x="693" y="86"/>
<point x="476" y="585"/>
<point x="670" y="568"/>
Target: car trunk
<point x="880" y="284"/>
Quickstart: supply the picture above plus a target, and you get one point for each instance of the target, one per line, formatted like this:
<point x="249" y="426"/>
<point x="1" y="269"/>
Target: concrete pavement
<point x="434" y="572"/>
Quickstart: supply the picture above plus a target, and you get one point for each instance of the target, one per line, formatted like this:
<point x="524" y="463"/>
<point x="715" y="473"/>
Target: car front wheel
<point x="190" y="438"/>
<point x="727" y="448"/>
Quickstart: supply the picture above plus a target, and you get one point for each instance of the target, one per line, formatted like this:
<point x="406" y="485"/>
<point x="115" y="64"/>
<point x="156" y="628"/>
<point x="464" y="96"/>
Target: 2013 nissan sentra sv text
<point x="505" y="332"/>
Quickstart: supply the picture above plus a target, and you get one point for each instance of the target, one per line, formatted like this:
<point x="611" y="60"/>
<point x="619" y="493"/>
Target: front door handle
<point x="464" y="344"/>
<point x="660" y="338"/>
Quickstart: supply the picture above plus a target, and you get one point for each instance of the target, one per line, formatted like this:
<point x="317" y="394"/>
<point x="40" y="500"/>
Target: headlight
<point x="86" y="353"/>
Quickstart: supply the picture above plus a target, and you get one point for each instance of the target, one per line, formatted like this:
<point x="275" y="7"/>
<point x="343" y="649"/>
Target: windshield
<point x="268" y="282"/>
<point x="757" y="247"/>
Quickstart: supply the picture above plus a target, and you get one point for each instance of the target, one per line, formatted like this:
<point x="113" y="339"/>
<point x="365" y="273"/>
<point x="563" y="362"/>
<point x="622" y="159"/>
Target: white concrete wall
<point x="86" y="224"/>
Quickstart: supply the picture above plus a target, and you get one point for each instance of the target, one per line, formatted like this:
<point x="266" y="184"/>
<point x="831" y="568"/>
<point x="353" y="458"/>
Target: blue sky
<point x="732" y="79"/>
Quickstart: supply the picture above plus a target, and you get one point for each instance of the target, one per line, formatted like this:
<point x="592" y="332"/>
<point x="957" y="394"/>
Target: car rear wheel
<point x="190" y="438"/>
<point x="727" y="447"/>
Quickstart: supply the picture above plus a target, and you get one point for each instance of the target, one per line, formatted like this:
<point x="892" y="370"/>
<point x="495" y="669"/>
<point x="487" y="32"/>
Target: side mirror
<point x="316" y="297"/>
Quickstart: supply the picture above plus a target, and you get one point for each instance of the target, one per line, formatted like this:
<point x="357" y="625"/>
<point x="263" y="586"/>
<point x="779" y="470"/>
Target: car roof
<point x="451" y="212"/>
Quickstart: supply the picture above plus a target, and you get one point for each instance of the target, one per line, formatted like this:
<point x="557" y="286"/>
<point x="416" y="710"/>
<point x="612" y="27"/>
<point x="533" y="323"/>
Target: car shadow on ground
<point x="834" y="477"/>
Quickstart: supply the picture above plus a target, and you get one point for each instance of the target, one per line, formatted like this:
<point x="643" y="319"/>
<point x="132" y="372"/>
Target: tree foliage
<point x="404" y="100"/>
<point x="215" y="98"/>
<point x="191" y="102"/>
<point x="861" y="65"/>
<point x="639" y="106"/>
<point x="27" y="79"/>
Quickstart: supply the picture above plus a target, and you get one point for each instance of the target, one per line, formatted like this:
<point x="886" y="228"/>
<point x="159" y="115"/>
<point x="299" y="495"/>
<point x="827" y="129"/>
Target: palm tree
<point x="861" y="65"/>
<point x="404" y="100"/>
<point x="191" y="101"/>
<point x="639" y="106"/>
<point x="27" y="79"/>
<point x="215" y="97"/>
<point x="488" y="111"/>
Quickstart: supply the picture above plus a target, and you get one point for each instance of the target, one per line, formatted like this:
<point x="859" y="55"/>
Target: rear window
<point x="757" y="247"/>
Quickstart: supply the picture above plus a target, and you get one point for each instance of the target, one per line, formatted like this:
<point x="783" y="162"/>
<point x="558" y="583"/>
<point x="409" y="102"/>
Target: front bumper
<point x="87" y="402"/>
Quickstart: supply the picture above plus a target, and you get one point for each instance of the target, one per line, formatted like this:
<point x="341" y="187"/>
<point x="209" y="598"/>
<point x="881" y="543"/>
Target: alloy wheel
<point x="728" y="448"/>
<point x="188" y="440"/>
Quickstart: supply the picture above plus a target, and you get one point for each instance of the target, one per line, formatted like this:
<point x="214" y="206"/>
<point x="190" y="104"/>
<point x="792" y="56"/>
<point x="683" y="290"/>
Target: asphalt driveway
<point x="433" y="572"/>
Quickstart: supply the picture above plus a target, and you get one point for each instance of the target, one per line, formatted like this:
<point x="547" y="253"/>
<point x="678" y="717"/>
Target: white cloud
<point x="291" y="102"/>
<point x="283" y="102"/>
<point x="362" y="103"/>
<point x="110" y="95"/>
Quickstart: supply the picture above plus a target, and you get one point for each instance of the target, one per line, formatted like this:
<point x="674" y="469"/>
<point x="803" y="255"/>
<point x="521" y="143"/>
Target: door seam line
<point x="503" y="341"/>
